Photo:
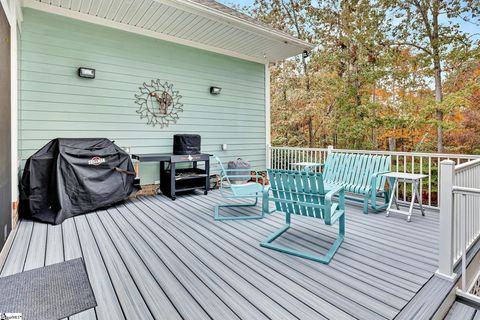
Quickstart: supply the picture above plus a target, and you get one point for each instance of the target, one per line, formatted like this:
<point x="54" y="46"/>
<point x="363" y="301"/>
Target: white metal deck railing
<point x="413" y="162"/>
<point x="459" y="214"/>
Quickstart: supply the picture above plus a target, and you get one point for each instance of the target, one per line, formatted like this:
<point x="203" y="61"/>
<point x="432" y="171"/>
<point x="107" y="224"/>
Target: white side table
<point x="308" y="166"/>
<point x="415" y="180"/>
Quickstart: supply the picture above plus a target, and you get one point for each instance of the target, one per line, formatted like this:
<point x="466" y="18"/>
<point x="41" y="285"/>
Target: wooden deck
<point x="153" y="258"/>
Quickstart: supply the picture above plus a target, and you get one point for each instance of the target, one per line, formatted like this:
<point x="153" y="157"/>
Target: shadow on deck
<point x="153" y="258"/>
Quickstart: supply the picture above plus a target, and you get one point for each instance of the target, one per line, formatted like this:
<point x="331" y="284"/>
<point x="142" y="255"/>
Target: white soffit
<point x="202" y="24"/>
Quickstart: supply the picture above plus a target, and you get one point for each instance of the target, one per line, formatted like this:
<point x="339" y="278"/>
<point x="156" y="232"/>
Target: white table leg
<point x="392" y="197"/>
<point x="414" y="194"/>
<point x="419" y="198"/>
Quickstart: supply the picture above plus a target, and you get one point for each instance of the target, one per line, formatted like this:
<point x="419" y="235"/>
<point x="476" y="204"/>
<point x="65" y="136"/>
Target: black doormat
<point x="53" y="292"/>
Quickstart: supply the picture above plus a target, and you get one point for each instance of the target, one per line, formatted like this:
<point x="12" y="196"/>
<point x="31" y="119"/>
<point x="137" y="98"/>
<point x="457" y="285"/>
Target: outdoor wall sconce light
<point x="86" y="73"/>
<point x="215" y="90"/>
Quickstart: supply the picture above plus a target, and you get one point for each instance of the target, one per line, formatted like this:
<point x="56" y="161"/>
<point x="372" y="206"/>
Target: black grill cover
<point x="186" y="144"/>
<point x="68" y="177"/>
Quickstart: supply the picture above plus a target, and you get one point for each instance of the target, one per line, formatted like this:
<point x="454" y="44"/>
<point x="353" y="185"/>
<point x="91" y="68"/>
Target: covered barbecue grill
<point x="68" y="177"/>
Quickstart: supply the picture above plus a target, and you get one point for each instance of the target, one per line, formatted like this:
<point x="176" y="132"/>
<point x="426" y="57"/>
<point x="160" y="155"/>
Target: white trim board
<point x="267" y="115"/>
<point x="133" y="29"/>
<point x="14" y="106"/>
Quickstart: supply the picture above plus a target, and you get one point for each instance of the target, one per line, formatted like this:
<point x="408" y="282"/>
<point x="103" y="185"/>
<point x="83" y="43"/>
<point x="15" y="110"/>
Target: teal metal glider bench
<point x="303" y="193"/>
<point x="239" y="191"/>
<point x="359" y="174"/>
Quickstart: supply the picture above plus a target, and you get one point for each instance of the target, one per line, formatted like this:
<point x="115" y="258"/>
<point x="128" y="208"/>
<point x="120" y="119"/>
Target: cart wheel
<point x="205" y="192"/>
<point x="173" y="198"/>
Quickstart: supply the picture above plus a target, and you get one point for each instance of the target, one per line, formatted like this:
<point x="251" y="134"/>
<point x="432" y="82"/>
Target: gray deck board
<point x="428" y="300"/>
<point x="212" y="251"/>
<point x="461" y="311"/>
<point x="151" y="294"/>
<point x="72" y="250"/>
<point x="129" y="296"/>
<point x="183" y="264"/>
<point x="36" y="252"/>
<point x="330" y="282"/>
<point x="153" y="258"/>
<point x="258" y="264"/>
<point x="18" y="252"/>
<point x="174" y="293"/>
<point x="54" y="253"/>
<point x="352" y="257"/>
<point x="108" y="305"/>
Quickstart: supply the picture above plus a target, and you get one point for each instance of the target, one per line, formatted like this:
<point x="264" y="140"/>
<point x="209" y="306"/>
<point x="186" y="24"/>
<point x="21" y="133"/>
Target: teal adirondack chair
<point x="252" y="190"/>
<point x="303" y="193"/>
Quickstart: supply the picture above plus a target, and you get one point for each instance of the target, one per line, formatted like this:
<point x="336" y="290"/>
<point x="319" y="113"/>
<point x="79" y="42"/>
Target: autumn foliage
<point x="398" y="75"/>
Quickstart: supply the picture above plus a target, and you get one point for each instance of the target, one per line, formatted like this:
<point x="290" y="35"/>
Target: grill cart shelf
<point x="173" y="180"/>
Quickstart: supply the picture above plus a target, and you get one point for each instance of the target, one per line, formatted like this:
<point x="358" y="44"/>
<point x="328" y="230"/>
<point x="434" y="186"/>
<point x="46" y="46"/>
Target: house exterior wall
<point x="5" y="126"/>
<point x="55" y="102"/>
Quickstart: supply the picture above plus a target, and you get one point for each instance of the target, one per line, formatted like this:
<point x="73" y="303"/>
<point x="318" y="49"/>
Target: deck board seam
<point x="186" y="248"/>
<point x="106" y="270"/>
<point x="10" y="245"/>
<point x="167" y="267"/>
<point x="232" y="288"/>
<point x="123" y="262"/>
<point x="329" y="232"/>
<point x="294" y="280"/>
<point x="363" y="222"/>
<point x="28" y="248"/>
<point x="266" y="266"/>
<point x="143" y="262"/>
<point x="83" y="257"/>
<point x="340" y="253"/>
<point x="168" y="246"/>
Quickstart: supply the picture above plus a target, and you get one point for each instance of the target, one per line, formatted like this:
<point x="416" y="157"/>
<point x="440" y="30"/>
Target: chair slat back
<point x="355" y="171"/>
<point x="298" y="192"/>
<point x="222" y="168"/>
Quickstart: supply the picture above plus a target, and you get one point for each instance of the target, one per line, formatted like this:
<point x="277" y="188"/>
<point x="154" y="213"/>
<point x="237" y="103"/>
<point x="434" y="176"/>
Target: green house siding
<point x="55" y="102"/>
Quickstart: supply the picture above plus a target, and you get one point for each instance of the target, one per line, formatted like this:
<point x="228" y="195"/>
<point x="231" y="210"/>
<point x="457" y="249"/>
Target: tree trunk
<point x="310" y="132"/>
<point x="438" y="100"/>
<point x="437" y="68"/>
<point x="392" y="144"/>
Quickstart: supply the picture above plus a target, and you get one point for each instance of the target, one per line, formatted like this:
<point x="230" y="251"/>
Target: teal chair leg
<point x="218" y="217"/>
<point x="379" y="207"/>
<point x="267" y="243"/>
<point x="365" y="205"/>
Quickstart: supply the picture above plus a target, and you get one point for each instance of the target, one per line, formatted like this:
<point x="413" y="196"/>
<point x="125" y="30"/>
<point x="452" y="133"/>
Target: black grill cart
<point x="173" y="179"/>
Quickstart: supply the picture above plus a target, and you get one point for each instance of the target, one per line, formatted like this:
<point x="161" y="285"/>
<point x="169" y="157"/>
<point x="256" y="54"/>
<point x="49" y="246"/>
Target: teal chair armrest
<point x="373" y="183"/>
<point x="332" y="214"/>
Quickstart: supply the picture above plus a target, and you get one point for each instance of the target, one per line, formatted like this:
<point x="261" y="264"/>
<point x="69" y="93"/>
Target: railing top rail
<point x="465" y="190"/>
<point x="299" y="148"/>
<point x="467" y="165"/>
<point x="393" y="153"/>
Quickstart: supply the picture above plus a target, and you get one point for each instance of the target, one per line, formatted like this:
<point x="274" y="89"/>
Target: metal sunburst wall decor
<point x="159" y="103"/>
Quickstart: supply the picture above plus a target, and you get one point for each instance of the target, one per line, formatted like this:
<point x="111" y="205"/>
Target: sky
<point x="240" y="2"/>
<point x="465" y="26"/>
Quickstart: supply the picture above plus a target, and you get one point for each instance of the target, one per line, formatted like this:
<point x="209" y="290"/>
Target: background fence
<point x="413" y="162"/>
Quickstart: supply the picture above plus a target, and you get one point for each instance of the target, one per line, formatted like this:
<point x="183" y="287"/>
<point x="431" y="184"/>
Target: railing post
<point x="329" y="149"/>
<point x="445" y="257"/>
<point x="269" y="156"/>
